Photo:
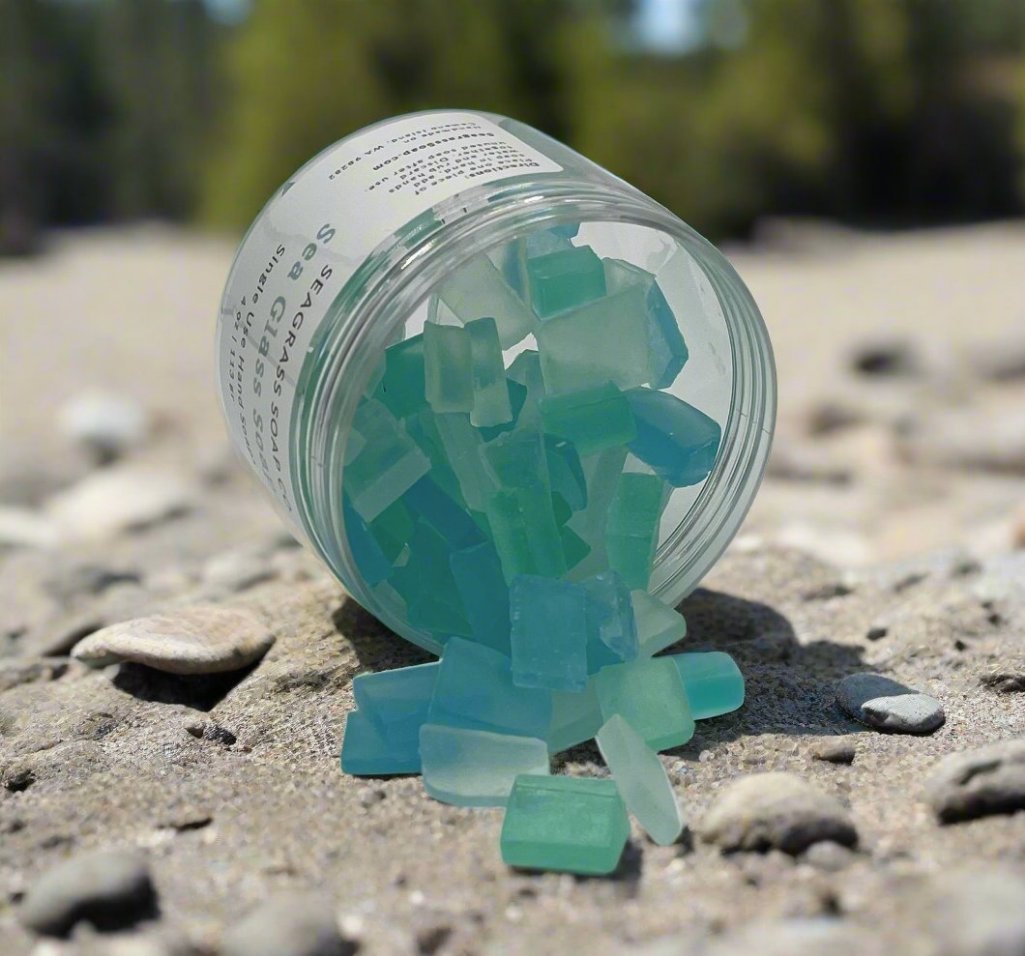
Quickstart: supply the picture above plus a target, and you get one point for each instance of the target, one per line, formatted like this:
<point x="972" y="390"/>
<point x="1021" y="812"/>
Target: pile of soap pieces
<point x="514" y="513"/>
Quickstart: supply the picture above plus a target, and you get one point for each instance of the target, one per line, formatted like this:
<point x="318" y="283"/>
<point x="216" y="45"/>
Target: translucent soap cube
<point x="476" y="768"/>
<point x="574" y="548"/>
<point x="570" y="824"/>
<point x="525" y="370"/>
<point x="592" y="419"/>
<point x="517" y="398"/>
<point x="601" y="473"/>
<point x="490" y="395"/>
<point x="648" y="693"/>
<point x="477" y="289"/>
<point x="448" y="372"/>
<point x="402" y="387"/>
<point x="397" y="701"/>
<point x="679" y="442"/>
<point x="603" y="341"/>
<point x="576" y="717"/>
<point x="369" y="556"/>
<point x="367" y="752"/>
<point x="484" y="593"/>
<point x="565" y="472"/>
<point x="423" y="429"/>
<point x="712" y="681"/>
<point x="633" y="525"/>
<point x="549" y="633"/>
<point x="564" y="279"/>
<point x="517" y="459"/>
<point x="426" y="500"/>
<point x="610" y="617"/>
<point x="658" y="626"/>
<point x="393" y="527"/>
<point x="641" y="779"/>
<point x="462" y="446"/>
<point x="526" y="536"/>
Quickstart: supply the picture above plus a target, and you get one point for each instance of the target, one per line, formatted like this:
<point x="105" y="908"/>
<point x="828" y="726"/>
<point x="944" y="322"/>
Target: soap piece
<point x="397" y="701"/>
<point x="427" y="585"/>
<point x="601" y="473"/>
<point x="367" y="752"/>
<point x="476" y="768"/>
<point x="633" y="525"/>
<point x="603" y="341"/>
<point x="387" y="466"/>
<point x="525" y="370"/>
<point x="393" y="527"/>
<point x="448" y="373"/>
<point x="592" y="419"/>
<point x="641" y="780"/>
<point x="649" y="695"/>
<point x="712" y="681"/>
<point x="517" y="459"/>
<point x="564" y="279"/>
<point x="574" y="548"/>
<point x="517" y="398"/>
<point x="354" y="445"/>
<point x="372" y="562"/>
<point x="477" y="289"/>
<point x="475" y="690"/>
<point x="462" y="444"/>
<point x="572" y="824"/>
<point x="426" y="500"/>
<point x="526" y="536"/>
<point x="491" y="404"/>
<point x="549" y="633"/>
<point x="484" y="594"/>
<point x="679" y="442"/>
<point x="576" y="717"/>
<point x="610" y="617"/>
<point x="667" y="352"/>
<point x="402" y="387"/>
<point x="423" y="429"/>
<point x="565" y="472"/>
<point x="658" y="626"/>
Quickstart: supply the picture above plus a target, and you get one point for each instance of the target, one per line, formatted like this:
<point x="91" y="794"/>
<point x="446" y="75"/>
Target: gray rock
<point x="883" y="704"/>
<point x="979" y="782"/>
<point x="111" y="889"/>
<point x="797" y="937"/>
<point x="835" y="750"/>
<point x="292" y="925"/>
<point x="194" y="640"/>
<point x="14" y="673"/>
<point x="775" y="811"/>
<point x="978" y="911"/>
<point x="828" y="856"/>
<point x="237" y="570"/>
<point x="104" y="423"/>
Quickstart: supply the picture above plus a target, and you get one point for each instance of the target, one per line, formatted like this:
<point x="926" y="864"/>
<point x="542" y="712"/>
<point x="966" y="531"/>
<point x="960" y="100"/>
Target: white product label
<point x="311" y="238"/>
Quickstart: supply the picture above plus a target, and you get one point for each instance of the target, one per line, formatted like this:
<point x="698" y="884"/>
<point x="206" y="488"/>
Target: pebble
<point x="883" y="704"/>
<point x="104" y="423"/>
<point x="978" y="783"/>
<point x="23" y="528"/>
<point x="775" y="811"/>
<point x="829" y="856"/>
<point x="86" y="580"/>
<point x="1005" y="682"/>
<point x="835" y="750"/>
<point x="237" y="570"/>
<point x="111" y="889"/>
<point x="208" y="730"/>
<point x="978" y="911"/>
<point x="292" y="925"/>
<point x="194" y="640"/>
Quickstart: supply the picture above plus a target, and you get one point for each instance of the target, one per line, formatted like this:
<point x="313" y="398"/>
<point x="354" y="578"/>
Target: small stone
<point x="978" y="911"/>
<point x="14" y="673"/>
<point x="237" y="570"/>
<point x="23" y="528"/>
<point x="781" y="811"/>
<point x="835" y="750"/>
<point x="86" y="580"/>
<point x="104" y="423"/>
<point x="978" y="783"/>
<point x="208" y="730"/>
<point x="1004" y="682"/>
<point x="829" y="856"/>
<point x="196" y="640"/>
<point x="290" y="925"/>
<point x="895" y="358"/>
<point x="883" y="704"/>
<point x="111" y="889"/>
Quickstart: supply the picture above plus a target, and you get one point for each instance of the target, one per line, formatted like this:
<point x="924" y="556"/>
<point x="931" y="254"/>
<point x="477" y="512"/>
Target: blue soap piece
<point x="450" y="519"/>
<point x="612" y="630"/>
<point x="566" y="230"/>
<point x="668" y="350"/>
<point x="678" y="441"/>
<point x="371" y="561"/>
<point x="367" y="752"/>
<point x="713" y="682"/>
<point x="549" y="633"/>
<point x="397" y="701"/>
<point x="484" y="593"/>
<point x="475" y="690"/>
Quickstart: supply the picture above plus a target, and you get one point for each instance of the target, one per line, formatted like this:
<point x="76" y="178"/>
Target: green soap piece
<point x="526" y="536"/>
<point x="476" y="768"/>
<point x="562" y="511"/>
<point x="402" y="387"/>
<point x="423" y="429"/>
<point x="549" y="633"/>
<point x="648" y="693"/>
<point x="633" y="526"/>
<point x="517" y="396"/>
<point x="610" y="615"/>
<point x="446" y="515"/>
<point x="393" y="528"/>
<point x="517" y="459"/>
<point x="507" y="260"/>
<point x="576" y="717"/>
<point x="592" y="419"/>
<point x="440" y="314"/>
<point x="367" y="752"/>
<point x="462" y="444"/>
<point x="397" y="701"/>
<point x="570" y="824"/>
<point x="564" y="279"/>
<point x="574" y="548"/>
<point x="565" y="472"/>
<point x="641" y="779"/>
<point x="603" y="341"/>
<point x="712" y="681"/>
<point x="448" y="372"/>
<point x="477" y="289"/>
<point x="525" y="370"/>
<point x="491" y="404"/>
<point x="658" y="625"/>
<point x="354" y="445"/>
<point x="485" y="595"/>
<point x="389" y="464"/>
<point x="601" y="472"/>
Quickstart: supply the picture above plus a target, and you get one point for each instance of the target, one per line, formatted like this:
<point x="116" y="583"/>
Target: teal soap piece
<point x="484" y="594"/>
<point x="354" y="445"/>
<point x="462" y="445"/>
<point x="393" y="527"/>
<point x="426" y="499"/>
<point x="576" y="717"/>
<point x="603" y="341"/>
<point x="658" y="625"/>
<point x="641" y="779"/>
<point x="477" y="289"/>
<point x="610" y="616"/>
<point x="565" y="472"/>
<point x="402" y="386"/>
<point x="549" y="633"/>
<point x="367" y="752"/>
<point x="371" y="560"/>
<point x="564" y="279"/>
<point x="633" y="524"/>
<point x="475" y="689"/>
<point x="517" y="459"/>
<point x="491" y="404"/>
<point x="648" y="693"/>
<point x="667" y="351"/>
<point x="712" y="681"/>
<point x="397" y="701"/>
<point x="476" y="768"/>
<point x="574" y="548"/>
<point x="423" y="429"/>
<point x="679" y="442"/>
<point x="448" y="372"/>
<point x="566" y="230"/>
<point x="601" y="472"/>
<point x="525" y="370"/>
<point x="387" y="466"/>
<point x="568" y="824"/>
<point x="592" y="419"/>
<point x="517" y="397"/>
<point x="525" y="534"/>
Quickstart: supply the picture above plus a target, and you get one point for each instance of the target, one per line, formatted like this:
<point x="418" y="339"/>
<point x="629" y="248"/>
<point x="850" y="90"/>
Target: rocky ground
<point x="884" y="541"/>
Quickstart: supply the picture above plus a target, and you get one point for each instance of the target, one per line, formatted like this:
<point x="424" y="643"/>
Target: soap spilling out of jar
<point x="505" y="480"/>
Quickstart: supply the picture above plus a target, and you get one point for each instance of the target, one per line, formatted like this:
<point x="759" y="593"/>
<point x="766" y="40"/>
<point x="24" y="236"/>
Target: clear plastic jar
<point x="342" y="262"/>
